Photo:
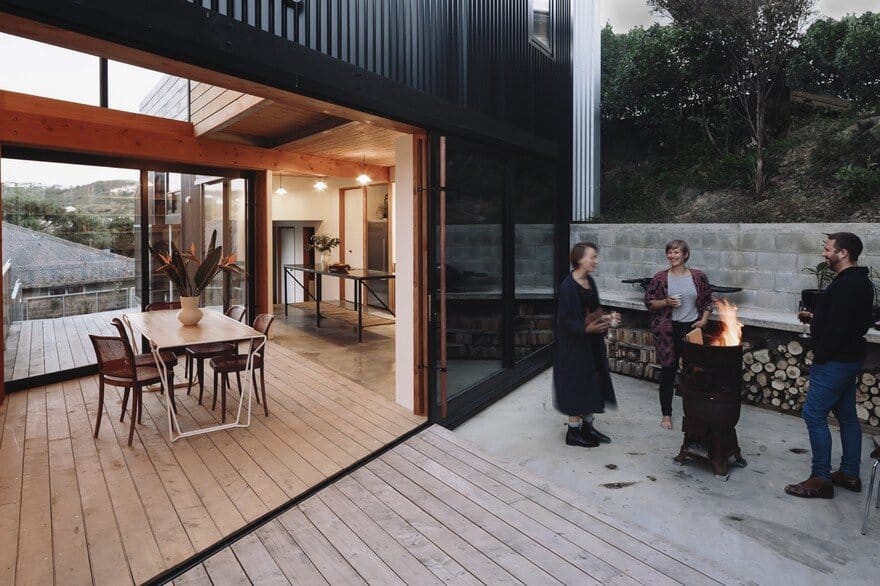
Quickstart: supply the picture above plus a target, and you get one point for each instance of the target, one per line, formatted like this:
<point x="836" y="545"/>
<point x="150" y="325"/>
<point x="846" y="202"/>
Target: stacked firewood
<point x="779" y="377"/>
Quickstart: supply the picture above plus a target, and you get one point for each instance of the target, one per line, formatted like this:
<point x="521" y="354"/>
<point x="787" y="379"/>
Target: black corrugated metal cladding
<point x="475" y="53"/>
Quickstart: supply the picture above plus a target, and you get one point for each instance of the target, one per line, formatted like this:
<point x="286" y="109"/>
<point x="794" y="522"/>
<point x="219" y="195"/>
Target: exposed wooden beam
<point x="291" y="138"/>
<point x="244" y="106"/>
<point x="37" y="122"/>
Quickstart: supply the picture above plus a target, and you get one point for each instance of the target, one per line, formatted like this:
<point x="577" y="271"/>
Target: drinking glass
<point x="803" y="307"/>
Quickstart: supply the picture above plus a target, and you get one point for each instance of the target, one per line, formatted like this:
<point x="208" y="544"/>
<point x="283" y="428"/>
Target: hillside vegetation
<point x="699" y="125"/>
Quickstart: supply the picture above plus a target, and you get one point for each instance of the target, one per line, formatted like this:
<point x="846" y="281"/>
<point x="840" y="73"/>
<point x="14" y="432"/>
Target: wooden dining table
<point x="163" y="331"/>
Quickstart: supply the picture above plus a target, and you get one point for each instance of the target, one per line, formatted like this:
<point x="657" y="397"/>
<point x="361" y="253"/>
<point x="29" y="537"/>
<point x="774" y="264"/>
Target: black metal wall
<point x="474" y="53"/>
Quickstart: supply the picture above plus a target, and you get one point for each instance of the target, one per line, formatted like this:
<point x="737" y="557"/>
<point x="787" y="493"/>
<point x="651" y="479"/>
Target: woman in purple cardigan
<point x="680" y="300"/>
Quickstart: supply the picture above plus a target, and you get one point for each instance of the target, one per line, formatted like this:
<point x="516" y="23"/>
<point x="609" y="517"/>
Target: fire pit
<point x="709" y="386"/>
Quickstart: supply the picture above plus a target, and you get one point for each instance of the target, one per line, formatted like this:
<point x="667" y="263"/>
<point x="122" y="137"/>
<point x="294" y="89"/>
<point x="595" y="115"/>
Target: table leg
<point x="360" y="312"/>
<point x="318" y="280"/>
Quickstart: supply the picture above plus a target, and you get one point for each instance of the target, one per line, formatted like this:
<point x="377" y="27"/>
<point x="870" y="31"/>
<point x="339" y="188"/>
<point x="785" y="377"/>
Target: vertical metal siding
<point x="475" y="53"/>
<point x="585" y="103"/>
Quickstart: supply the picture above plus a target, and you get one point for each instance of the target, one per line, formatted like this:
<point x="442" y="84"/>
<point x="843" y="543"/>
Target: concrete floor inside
<point x="369" y="363"/>
<point x="746" y="528"/>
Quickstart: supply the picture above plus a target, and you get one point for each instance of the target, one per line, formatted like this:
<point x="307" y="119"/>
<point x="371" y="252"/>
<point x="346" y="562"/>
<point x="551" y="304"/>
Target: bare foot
<point x="666" y="423"/>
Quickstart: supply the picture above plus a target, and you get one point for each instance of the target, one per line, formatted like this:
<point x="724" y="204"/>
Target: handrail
<point x="6" y="266"/>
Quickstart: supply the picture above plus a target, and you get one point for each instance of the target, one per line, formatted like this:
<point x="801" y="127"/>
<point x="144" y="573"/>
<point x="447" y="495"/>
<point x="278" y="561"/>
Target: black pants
<point x="667" y="373"/>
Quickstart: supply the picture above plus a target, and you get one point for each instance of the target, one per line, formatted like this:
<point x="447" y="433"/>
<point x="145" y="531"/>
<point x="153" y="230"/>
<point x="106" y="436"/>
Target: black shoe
<point x="588" y="431"/>
<point x="575" y="437"/>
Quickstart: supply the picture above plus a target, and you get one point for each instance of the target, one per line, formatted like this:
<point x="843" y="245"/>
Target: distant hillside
<point x="825" y="168"/>
<point x="114" y="198"/>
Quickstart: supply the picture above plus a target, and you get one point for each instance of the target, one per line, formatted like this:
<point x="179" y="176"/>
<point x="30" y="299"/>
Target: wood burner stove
<point x="709" y="386"/>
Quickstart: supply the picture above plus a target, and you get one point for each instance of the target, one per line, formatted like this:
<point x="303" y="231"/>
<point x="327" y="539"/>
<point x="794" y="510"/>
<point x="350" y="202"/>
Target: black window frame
<point x="545" y="46"/>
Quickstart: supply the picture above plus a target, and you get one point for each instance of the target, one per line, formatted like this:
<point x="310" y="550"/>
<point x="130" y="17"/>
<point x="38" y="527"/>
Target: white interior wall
<point x="308" y="207"/>
<point x="354" y="235"/>
<point x="402" y="212"/>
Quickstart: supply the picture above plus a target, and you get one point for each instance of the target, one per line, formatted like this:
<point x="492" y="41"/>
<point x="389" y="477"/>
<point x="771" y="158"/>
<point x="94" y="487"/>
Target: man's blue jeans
<point x="833" y="390"/>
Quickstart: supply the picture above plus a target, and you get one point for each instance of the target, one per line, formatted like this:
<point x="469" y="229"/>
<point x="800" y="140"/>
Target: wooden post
<point x="262" y="271"/>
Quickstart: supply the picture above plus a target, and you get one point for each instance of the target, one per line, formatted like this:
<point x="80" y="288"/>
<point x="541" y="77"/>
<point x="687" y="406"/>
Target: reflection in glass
<point x="474" y="261"/>
<point x="533" y="188"/>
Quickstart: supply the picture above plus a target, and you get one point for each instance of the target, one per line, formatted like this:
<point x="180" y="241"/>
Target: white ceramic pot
<point x="189" y="314"/>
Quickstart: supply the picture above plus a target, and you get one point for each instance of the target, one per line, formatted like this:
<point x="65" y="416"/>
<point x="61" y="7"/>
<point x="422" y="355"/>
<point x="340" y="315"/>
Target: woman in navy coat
<point x="581" y="378"/>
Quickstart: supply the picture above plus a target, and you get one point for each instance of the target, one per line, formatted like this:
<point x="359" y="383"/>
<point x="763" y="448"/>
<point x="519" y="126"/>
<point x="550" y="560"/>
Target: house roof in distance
<point x="42" y="260"/>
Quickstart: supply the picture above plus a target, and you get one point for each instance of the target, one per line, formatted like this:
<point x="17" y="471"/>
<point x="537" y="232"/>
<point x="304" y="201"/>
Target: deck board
<point x="434" y="509"/>
<point x="83" y="509"/>
<point x="42" y="346"/>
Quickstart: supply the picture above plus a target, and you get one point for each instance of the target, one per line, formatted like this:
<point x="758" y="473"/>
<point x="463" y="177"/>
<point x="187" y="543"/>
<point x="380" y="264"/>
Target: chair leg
<point x="189" y="373"/>
<point x="263" y="386"/>
<point x="100" y="405"/>
<point x="135" y="399"/>
<point x="200" y="371"/>
<point x="238" y="380"/>
<point x="254" y="385"/>
<point x="140" y="410"/>
<point x="124" y="404"/>
<point x="214" y="400"/>
<point x="225" y="381"/>
<point x="868" y="496"/>
<point x="171" y="390"/>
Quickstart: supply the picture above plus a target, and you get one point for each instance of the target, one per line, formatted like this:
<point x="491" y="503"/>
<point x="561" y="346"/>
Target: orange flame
<point x="731" y="328"/>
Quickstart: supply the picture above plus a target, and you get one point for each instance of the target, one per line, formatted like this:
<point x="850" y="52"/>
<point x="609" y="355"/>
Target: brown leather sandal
<point x="812" y="488"/>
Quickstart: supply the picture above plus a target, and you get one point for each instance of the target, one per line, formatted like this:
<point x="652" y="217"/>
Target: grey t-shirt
<point x="683" y="285"/>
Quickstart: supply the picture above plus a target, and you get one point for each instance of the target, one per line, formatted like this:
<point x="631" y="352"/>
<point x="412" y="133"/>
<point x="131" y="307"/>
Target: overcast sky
<point x="625" y="14"/>
<point x="50" y="71"/>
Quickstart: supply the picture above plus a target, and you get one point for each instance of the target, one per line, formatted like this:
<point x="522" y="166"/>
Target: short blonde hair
<point x="579" y="250"/>
<point x="680" y="244"/>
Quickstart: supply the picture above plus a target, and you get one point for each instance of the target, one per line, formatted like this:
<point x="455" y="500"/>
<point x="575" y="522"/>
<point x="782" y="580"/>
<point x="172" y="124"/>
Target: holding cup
<point x="614" y="319"/>
<point x="676" y="299"/>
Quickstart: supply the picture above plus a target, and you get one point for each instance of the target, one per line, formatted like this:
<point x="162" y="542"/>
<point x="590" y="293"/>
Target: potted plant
<point x="323" y="244"/>
<point x="823" y="276"/>
<point x="191" y="275"/>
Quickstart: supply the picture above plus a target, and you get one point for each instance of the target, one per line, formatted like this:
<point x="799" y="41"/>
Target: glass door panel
<point x="533" y="191"/>
<point x="470" y="259"/>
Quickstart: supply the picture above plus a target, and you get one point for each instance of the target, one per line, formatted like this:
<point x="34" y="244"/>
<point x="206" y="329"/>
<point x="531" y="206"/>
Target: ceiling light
<point x="320" y="185"/>
<point x="363" y="178"/>
<point x="281" y="190"/>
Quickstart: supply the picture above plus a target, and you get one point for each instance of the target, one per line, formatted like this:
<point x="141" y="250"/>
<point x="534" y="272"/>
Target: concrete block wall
<point x="477" y="248"/>
<point x="766" y="260"/>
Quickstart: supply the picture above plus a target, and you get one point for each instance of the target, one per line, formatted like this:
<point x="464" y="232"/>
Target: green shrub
<point x="861" y="183"/>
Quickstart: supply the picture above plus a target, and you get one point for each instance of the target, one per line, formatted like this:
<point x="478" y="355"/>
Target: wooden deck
<point x="78" y="510"/>
<point x="435" y="510"/>
<point x="41" y="346"/>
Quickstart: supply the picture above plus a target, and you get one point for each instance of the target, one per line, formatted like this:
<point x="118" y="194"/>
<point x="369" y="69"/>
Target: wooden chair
<point x="116" y="367"/>
<point x="146" y="359"/>
<point x="198" y="353"/>
<point x="224" y="365"/>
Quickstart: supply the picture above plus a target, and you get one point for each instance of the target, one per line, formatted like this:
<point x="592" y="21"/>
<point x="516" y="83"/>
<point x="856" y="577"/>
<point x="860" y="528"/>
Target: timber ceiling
<point x="285" y="127"/>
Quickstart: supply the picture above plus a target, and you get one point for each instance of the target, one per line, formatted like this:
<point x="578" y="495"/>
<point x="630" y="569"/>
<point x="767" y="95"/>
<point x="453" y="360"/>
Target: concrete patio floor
<point x="747" y="529"/>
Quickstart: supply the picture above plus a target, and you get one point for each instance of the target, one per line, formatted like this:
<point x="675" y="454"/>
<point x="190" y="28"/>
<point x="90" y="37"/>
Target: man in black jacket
<point x="839" y="322"/>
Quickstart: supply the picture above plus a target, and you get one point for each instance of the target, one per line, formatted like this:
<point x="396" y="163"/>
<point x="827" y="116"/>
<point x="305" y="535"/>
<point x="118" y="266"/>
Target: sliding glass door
<point x="494" y="284"/>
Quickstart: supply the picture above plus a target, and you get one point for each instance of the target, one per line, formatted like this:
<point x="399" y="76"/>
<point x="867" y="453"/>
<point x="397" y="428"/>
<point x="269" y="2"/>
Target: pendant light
<point x="320" y="185"/>
<point x="363" y="178"/>
<point x="281" y="190"/>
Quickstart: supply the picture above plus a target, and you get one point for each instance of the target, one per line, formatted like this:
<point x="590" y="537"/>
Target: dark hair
<point x="579" y="250"/>
<point x="849" y="242"/>
<point x="681" y="244"/>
